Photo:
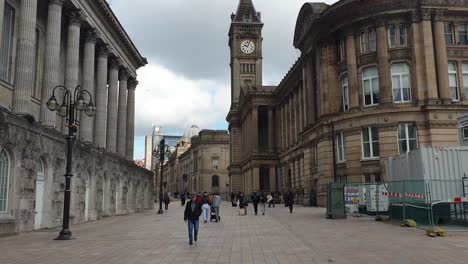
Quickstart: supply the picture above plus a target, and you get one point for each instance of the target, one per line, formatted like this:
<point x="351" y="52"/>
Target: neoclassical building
<point x="45" y="43"/>
<point x="199" y="164"/>
<point x="375" y="79"/>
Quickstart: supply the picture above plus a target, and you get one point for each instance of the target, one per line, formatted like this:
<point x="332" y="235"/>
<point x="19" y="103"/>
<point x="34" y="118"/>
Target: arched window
<point x="215" y="181"/>
<point x="4" y="177"/>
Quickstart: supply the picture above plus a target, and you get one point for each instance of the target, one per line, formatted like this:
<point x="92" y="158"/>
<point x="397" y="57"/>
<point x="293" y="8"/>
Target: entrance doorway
<point x="39" y="208"/>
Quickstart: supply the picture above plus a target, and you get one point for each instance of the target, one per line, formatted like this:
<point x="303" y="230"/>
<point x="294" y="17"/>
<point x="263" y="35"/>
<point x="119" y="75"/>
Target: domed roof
<point x="191" y="132"/>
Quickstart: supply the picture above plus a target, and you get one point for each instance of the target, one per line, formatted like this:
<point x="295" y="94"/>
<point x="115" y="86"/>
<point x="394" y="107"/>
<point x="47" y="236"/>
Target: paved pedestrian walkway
<point x="151" y="238"/>
<point x="278" y="237"/>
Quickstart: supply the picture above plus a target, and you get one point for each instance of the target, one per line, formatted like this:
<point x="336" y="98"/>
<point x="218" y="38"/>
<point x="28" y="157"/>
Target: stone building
<point x="385" y="76"/>
<point x="200" y="164"/>
<point x="45" y="43"/>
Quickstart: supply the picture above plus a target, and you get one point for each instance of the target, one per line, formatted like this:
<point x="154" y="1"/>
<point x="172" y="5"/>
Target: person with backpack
<point x="216" y="203"/>
<point x="263" y="200"/>
<point x="192" y="217"/>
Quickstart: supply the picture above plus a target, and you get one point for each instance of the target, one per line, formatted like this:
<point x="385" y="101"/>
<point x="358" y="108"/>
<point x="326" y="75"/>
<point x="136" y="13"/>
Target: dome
<point x="191" y="132"/>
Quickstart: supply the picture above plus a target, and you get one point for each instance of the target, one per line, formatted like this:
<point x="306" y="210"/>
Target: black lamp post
<point x="72" y="103"/>
<point x="163" y="151"/>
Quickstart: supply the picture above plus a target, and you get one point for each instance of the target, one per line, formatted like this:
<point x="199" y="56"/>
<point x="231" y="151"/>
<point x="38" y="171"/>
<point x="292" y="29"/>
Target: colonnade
<point x="103" y="75"/>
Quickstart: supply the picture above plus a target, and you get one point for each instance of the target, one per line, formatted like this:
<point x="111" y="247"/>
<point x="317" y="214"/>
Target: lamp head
<point x="80" y="103"/>
<point x="90" y="109"/>
<point x="63" y="110"/>
<point x="52" y="104"/>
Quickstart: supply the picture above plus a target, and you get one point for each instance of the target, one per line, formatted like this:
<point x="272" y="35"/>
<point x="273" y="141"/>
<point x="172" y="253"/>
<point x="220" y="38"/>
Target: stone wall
<point x="104" y="184"/>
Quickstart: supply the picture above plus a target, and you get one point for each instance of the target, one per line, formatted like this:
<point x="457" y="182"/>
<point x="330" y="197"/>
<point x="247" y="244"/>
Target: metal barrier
<point x="430" y="203"/>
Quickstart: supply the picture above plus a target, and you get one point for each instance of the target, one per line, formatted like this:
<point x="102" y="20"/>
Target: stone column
<point x="132" y="84"/>
<point x="273" y="183"/>
<point x="25" y="53"/>
<point x="87" y="122"/>
<point x="51" y="58"/>
<point x="301" y="116"/>
<point x="2" y="10"/>
<point x="296" y="115"/>
<point x="112" y="106"/>
<point x="351" y="66"/>
<point x="122" y="113"/>
<point x="271" y="129"/>
<point x="291" y="119"/>
<point x="100" y="120"/>
<point x="72" y="55"/>
<point x="255" y="128"/>
<point x="441" y="56"/>
<point x="385" y="83"/>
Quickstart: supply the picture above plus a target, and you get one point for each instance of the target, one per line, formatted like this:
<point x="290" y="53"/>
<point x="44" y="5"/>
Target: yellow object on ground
<point x="408" y="223"/>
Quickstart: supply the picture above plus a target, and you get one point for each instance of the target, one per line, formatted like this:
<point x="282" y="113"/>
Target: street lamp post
<point x="73" y="102"/>
<point x="163" y="151"/>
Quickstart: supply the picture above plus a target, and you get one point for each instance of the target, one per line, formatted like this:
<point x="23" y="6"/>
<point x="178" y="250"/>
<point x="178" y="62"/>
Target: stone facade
<point x="374" y="79"/>
<point x="66" y="42"/>
<point x="199" y="165"/>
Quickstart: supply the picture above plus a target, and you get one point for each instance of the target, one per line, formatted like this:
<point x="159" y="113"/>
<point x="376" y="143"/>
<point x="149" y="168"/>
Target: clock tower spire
<point x="245" y="42"/>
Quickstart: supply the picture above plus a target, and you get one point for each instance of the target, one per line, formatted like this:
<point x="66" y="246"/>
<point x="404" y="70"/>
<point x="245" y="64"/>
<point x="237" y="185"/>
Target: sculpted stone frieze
<point x="367" y="59"/>
<point x="457" y="53"/>
<point x="399" y="54"/>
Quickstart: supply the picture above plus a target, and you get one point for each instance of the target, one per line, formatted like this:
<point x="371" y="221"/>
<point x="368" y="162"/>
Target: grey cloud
<point x="190" y="37"/>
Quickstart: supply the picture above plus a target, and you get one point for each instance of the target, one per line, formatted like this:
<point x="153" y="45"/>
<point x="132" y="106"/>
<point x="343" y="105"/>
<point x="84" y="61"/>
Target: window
<point x="215" y="181"/>
<point x="6" y="46"/>
<point x="368" y="41"/>
<point x="215" y="164"/>
<point x="392" y="36"/>
<point x="345" y="91"/>
<point x="372" y="40"/>
<point x="403" y="36"/>
<point x="465" y="132"/>
<point x="463" y="34"/>
<point x="453" y="81"/>
<point x="370" y="83"/>
<point x="449" y="37"/>
<point x="342" y="50"/>
<point x="4" y="176"/>
<point x="340" y="144"/>
<point x="465" y="78"/>
<point x="370" y="143"/>
<point x="407" y="138"/>
<point x="401" y="83"/>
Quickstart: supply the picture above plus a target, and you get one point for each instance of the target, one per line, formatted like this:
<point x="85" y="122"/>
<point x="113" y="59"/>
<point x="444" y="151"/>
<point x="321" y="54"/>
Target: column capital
<point x="124" y="74"/>
<point x="132" y="84"/>
<point x="381" y="21"/>
<point x="75" y="17"/>
<point x="56" y="2"/>
<point x="103" y="50"/>
<point x="91" y="35"/>
<point x="439" y="14"/>
<point x="115" y="63"/>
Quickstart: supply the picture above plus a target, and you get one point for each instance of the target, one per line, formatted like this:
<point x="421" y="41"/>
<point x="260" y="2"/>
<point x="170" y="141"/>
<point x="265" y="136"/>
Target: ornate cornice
<point x="439" y="14"/>
<point x="56" y="2"/>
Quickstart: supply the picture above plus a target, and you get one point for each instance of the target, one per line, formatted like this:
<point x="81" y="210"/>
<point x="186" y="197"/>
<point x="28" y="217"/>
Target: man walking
<point x="216" y="204"/>
<point x="255" y="200"/>
<point x="263" y="200"/>
<point x="270" y="200"/>
<point x="290" y="201"/>
<point x="191" y="216"/>
<point x="182" y="199"/>
<point x="166" y="200"/>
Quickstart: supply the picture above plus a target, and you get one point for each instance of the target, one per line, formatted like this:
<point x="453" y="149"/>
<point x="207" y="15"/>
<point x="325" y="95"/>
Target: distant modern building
<point x="152" y="142"/>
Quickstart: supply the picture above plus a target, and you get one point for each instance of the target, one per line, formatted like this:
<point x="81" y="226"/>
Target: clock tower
<point x="245" y="43"/>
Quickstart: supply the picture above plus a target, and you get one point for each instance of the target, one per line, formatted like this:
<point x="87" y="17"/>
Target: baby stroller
<point x="213" y="214"/>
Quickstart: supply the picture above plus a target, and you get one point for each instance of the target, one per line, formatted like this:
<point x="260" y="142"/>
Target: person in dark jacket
<point x="192" y="214"/>
<point x="166" y="200"/>
<point x="240" y="198"/>
<point x="290" y="201"/>
<point x="255" y="200"/>
<point x="263" y="200"/>
<point x="182" y="199"/>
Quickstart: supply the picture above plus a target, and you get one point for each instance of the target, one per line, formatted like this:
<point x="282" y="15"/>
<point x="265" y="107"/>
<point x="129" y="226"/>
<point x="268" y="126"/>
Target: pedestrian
<point x="263" y="200"/>
<point x="270" y="200"/>
<point x="233" y="199"/>
<point x="191" y="216"/>
<point x="205" y="207"/>
<point x="167" y="200"/>
<point x="240" y="201"/>
<point x="216" y="204"/>
<point x="199" y="198"/>
<point x="255" y="197"/>
<point x="182" y="199"/>
<point x="290" y="201"/>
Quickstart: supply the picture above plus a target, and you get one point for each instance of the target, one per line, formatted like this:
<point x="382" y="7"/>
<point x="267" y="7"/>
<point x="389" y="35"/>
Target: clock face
<point x="247" y="46"/>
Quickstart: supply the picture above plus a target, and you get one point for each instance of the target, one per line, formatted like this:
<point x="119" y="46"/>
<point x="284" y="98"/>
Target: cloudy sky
<point x="187" y="80"/>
